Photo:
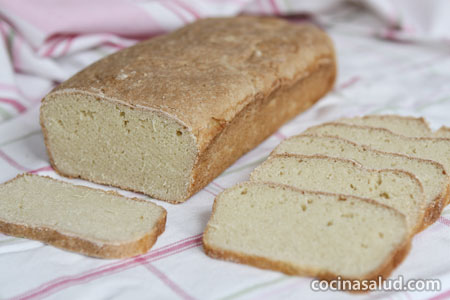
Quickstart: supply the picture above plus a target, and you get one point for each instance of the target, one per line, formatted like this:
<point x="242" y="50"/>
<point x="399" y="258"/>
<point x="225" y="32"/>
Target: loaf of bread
<point x="306" y="233"/>
<point x="407" y="126"/>
<point x="79" y="219"/>
<point x="168" y="115"/>
<point x="394" y="188"/>
<point x="431" y="174"/>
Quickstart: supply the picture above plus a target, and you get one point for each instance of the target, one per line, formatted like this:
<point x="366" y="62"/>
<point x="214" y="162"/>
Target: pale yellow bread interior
<point x="393" y="188"/>
<point x="443" y="132"/>
<point x="305" y="233"/>
<point x="431" y="174"/>
<point x="114" y="144"/>
<point x="407" y="126"/>
<point x="33" y="206"/>
<point x="437" y="149"/>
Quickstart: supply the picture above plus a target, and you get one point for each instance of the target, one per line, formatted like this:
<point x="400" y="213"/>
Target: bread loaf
<point x="394" y="188"/>
<point x="431" y="174"/>
<point x="306" y="233"/>
<point x="168" y="115"/>
<point x="77" y="218"/>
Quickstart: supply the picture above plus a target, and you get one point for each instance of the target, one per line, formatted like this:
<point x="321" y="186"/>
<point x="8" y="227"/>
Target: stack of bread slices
<point x="342" y="199"/>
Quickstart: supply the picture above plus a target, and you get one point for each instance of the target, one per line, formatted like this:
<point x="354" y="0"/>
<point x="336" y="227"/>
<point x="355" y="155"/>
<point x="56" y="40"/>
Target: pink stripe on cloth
<point x="12" y="162"/>
<point x="210" y="192"/>
<point x="167" y="281"/>
<point x="69" y="41"/>
<point x="444" y="221"/>
<point x="120" y="262"/>
<point x="275" y="8"/>
<point x="47" y="168"/>
<point x="67" y="281"/>
<point x="16" y="104"/>
<point x="175" y="252"/>
<point x="17" y="91"/>
<point x="348" y="83"/>
<point x="9" y="87"/>
<point x="55" y="41"/>
<point x="106" y="40"/>
<point x="279" y="135"/>
<point x="2" y="29"/>
<point x="218" y="185"/>
<point x="120" y="17"/>
<point x="16" y="47"/>
<point x="441" y="296"/>
<point x="15" y="44"/>
<point x="174" y="10"/>
<point x="187" y="8"/>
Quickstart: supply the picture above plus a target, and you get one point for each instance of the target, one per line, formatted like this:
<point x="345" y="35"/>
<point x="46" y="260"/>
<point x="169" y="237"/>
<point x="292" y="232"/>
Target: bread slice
<point x="306" y="233"/>
<point x="80" y="219"/>
<point x="443" y="132"/>
<point x="168" y="115"/>
<point x="408" y="126"/>
<point x="431" y="174"/>
<point x="437" y="149"/>
<point x="398" y="189"/>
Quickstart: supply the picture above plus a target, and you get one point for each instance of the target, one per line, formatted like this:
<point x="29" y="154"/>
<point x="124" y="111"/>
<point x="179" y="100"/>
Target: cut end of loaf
<point x="322" y="235"/>
<point x="115" y="144"/>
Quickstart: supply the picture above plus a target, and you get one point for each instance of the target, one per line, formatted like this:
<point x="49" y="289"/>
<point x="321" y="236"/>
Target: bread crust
<point x="434" y="209"/>
<point x="256" y="122"/>
<point x="74" y="243"/>
<point x="384" y="270"/>
<point x="279" y="79"/>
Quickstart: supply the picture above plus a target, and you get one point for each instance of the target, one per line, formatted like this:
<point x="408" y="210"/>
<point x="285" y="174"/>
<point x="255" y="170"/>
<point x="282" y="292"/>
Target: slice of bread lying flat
<point x="306" y="233"/>
<point x="394" y="188"/>
<point x="80" y="219"/>
<point x="408" y="126"/>
<point x="431" y="174"/>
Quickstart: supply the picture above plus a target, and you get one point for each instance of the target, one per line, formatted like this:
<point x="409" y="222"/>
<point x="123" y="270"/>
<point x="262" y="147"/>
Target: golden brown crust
<point x="208" y="70"/>
<point x="256" y="122"/>
<point x="78" y="244"/>
<point x="384" y="270"/>
<point x="215" y="77"/>
<point x="434" y="209"/>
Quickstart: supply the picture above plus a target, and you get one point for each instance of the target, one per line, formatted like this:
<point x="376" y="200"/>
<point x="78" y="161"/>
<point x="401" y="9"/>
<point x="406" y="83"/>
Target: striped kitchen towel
<point x="394" y="57"/>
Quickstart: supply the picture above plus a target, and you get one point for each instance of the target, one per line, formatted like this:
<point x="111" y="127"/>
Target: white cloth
<point x="394" y="57"/>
